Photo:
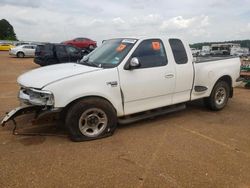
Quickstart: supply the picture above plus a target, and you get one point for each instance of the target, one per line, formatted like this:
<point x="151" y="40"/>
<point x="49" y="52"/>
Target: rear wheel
<point x="20" y="55"/>
<point x="219" y="96"/>
<point x="90" y="119"/>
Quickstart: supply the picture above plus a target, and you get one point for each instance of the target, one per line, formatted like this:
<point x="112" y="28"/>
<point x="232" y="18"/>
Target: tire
<point x="90" y="119"/>
<point x="20" y="54"/>
<point x="219" y="96"/>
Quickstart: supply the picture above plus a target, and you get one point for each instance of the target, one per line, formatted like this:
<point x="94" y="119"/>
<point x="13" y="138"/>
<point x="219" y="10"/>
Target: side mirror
<point x="134" y="63"/>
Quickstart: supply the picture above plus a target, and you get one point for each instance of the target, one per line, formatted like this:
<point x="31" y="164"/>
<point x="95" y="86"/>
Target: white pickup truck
<point x="125" y="80"/>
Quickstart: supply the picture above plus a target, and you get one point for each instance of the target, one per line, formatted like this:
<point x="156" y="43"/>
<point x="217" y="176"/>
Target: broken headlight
<point x="36" y="97"/>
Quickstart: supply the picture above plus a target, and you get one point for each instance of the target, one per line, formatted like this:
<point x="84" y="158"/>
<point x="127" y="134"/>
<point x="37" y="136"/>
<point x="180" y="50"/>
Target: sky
<point x="193" y="20"/>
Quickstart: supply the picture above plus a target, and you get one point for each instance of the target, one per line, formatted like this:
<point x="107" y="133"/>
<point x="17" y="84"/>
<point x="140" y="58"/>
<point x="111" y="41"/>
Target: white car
<point x="125" y="80"/>
<point x="23" y="51"/>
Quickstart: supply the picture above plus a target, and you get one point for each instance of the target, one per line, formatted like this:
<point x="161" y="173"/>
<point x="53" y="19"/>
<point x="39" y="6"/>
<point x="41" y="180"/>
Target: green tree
<point x="6" y="31"/>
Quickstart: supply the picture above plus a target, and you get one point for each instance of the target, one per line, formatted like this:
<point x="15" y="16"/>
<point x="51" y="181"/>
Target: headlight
<point x="36" y="97"/>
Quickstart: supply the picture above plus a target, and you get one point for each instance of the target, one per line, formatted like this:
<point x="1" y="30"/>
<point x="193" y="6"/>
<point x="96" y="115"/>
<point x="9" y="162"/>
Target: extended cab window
<point x="179" y="52"/>
<point x="151" y="53"/>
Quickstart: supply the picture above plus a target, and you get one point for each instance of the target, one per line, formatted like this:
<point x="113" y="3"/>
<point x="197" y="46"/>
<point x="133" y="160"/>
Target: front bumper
<point x="39" y="110"/>
<point x="17" y="112"/>
<point x="12" y="53"/>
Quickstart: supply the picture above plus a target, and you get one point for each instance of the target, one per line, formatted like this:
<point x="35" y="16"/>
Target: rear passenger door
<point x="61" y="54"/>
<point x="184" y="71"/>
<point x="32" y="51"/>
<point x="28" y="50"/>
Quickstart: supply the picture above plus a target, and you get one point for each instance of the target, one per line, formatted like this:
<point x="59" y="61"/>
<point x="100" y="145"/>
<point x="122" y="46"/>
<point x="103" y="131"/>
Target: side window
<point x="60" y="51"/>
<point x="81" y="39"/>
<point x="28" y="47"/>
<point x="71" y="50"/>
<point x="151" y="53"/>
<point x="179" y="52"/>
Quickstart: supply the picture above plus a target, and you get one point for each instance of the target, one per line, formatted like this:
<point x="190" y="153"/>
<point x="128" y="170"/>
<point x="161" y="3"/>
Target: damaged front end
<point x="35" y="101"/>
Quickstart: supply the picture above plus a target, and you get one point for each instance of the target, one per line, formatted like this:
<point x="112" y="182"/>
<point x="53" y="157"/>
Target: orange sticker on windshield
<point x="121" y="47"/>
<point x="156" y="45"/>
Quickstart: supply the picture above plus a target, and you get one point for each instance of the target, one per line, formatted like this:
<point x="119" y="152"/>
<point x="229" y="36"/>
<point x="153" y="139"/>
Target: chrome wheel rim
<point x="220" y="96"/>
<point x="93" y="122"/>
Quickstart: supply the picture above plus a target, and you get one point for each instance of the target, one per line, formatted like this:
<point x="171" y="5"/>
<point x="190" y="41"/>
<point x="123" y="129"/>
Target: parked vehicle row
<point x="48" y="54"/>
<point x="23" y="51"/>
<point x="222" y="49"/>
<point x="6" y="47"/>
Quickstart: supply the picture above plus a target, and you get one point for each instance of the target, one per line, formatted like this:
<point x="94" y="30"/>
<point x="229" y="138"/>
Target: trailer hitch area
<point x="18" y="112"/>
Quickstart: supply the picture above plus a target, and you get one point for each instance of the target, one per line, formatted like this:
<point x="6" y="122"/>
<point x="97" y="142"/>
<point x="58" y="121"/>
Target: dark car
<point x="48" y="54"/>
<point x="82" y="43"/>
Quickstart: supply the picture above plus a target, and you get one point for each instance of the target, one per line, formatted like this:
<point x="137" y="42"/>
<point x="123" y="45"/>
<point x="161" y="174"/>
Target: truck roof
<point x="147" y="37"/>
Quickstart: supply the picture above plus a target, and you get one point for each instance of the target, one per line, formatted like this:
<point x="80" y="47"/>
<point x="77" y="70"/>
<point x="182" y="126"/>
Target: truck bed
<point x="211" y="58"/>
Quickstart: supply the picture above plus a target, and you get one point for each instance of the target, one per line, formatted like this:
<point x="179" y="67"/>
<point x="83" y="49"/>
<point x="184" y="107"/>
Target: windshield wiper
<point x="87" y="62"/>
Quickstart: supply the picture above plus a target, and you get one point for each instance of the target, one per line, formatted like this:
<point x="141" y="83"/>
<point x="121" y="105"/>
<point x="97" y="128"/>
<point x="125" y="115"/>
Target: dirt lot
<point x="191" y="148"/>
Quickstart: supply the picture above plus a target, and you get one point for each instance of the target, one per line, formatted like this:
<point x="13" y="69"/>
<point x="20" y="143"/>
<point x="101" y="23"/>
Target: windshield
<point x="110" y="53"/>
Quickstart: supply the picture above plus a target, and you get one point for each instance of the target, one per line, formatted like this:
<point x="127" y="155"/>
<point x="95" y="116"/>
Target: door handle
<point x="169" y="75"/>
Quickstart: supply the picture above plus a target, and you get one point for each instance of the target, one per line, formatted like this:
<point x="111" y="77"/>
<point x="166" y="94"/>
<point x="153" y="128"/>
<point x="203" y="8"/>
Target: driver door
<point x="150" y="85"/>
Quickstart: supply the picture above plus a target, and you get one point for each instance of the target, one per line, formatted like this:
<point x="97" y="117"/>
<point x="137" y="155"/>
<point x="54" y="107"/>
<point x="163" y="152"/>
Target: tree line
<point x="7" y="31"/>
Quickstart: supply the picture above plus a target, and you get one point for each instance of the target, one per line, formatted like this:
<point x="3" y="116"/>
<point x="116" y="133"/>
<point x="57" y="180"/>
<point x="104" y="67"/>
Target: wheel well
<point x="20" y="52"/>
<point x="66" y="108"/>
<point x="228" y="80"/>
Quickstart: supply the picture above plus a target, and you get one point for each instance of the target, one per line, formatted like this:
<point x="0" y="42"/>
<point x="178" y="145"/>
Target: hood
<point x="16" y="47"/>
<point x="40" y="77"/>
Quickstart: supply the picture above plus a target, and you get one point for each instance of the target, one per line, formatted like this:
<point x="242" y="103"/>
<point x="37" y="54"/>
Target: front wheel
<point x="90" y="119"/>
<point x="219" y="96"/>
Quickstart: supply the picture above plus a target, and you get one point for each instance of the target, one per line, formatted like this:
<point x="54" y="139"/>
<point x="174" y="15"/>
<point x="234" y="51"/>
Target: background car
<point x="5" y="47"/>
<point x="82" y="43"/>
<point x="23" y="51"/>
<point x="48" y="54"/>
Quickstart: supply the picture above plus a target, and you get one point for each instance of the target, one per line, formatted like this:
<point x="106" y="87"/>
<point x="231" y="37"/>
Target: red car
<point x="82" y="43"/>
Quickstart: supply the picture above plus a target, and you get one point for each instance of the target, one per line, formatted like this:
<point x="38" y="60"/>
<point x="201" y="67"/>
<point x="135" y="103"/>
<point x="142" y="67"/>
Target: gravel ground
<point x="191" y="148"/>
